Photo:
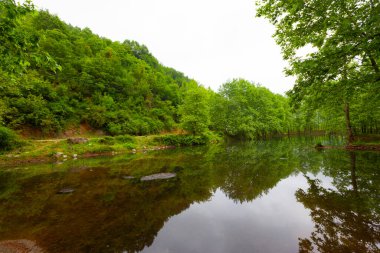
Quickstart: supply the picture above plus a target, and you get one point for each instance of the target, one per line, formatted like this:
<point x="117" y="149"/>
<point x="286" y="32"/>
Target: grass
<point x="60" y="149"/>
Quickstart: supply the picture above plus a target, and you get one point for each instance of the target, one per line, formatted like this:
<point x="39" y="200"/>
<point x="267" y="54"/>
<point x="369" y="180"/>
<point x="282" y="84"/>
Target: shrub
<point x="8" y="139"/>
<point x="107" y="140"/>
<point x="124" y="138"/>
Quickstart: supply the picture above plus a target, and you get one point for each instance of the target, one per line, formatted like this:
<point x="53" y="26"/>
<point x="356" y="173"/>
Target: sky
<point x="211" y="41"/>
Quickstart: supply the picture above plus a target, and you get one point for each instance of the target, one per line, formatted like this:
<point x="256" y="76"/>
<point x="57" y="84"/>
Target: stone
<point x="128" y="177"/>
<point x="58" y="154"/>
<point x="158" y="176"/>
<point x="66" y="191"/>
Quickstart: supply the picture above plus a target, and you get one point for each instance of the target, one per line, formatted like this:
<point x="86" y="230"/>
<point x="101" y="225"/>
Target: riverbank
<point x="56" y="150"/>
<point x="362" y="143"/>
<point x="352" y="147"/>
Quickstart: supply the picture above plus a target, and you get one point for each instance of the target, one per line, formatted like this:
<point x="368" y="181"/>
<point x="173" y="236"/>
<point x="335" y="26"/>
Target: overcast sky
<point x="211" y="41"/>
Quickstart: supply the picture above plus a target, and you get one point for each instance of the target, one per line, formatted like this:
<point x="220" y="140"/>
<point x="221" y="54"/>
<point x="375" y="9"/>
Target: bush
<point x="108" y="140"/>
<point x="124" y="138"/>
<point x="8" y="139"/>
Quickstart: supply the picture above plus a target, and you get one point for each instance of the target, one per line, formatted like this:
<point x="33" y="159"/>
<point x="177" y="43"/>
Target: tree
<point x="245" y="110"/>
<point x="194" y="111"/>
<point x="346" y="39"/>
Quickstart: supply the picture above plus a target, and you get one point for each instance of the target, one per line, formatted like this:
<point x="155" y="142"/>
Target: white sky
<point x="211" y="41"/>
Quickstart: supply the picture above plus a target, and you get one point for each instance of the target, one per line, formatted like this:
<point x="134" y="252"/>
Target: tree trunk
<point x="353" y="173"/>
<point x="350" y="135"/>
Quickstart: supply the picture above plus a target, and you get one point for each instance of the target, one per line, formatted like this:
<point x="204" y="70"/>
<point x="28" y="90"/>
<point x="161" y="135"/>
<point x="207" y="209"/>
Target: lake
<point x="267" y="196"/>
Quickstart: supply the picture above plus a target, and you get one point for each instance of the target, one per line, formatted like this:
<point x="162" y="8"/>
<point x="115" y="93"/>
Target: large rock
<point x="158" y="176"/>
<point x="77" y="140"/>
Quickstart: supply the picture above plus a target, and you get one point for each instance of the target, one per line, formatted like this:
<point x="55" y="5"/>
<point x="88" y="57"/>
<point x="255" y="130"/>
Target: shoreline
<point x="73" y="148"/>
<point x="353" y="147"/>
<point x="52" y="159"/>
<point x="60" y="150"/>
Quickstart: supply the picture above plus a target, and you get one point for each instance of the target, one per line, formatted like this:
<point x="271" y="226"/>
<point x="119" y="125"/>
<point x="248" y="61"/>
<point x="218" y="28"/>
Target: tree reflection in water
<point x="347" y="219"/>
<point x="111" y="212"/>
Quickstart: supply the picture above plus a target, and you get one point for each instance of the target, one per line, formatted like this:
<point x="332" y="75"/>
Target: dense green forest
<point x="55" y="77"/>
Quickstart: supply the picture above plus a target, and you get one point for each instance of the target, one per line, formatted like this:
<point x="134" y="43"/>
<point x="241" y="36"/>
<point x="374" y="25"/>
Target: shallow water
<point x="273" y="196"/>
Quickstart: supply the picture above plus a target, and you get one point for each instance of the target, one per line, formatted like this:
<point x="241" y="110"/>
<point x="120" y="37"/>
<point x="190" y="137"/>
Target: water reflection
<point x="223" y="225"/>
<point x="235" y="198"/>
<point x="347" y="218"/>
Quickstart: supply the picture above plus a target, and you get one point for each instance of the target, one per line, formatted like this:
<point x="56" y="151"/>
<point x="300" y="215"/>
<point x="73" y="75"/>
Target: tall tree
<point x="345" y="36"/>
<point x="195" y="115"/>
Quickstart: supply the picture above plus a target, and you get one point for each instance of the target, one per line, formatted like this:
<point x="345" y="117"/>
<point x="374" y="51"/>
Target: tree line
<point x="54" y="76"/>
<point x="340" y="77"/>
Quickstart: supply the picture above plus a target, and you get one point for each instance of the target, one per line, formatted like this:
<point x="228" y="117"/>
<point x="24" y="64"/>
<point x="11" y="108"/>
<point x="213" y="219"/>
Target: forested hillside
<point x="55" y="77"/>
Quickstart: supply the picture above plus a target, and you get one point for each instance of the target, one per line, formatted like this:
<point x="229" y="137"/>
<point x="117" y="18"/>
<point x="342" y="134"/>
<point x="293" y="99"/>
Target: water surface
<point x="273" y="196"/>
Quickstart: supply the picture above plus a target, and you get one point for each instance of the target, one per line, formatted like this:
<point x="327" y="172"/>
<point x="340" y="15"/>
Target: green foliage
<point x="245" y="110"/>
<point x="182" y="140"/>
<point x="195" y="109"/>
<point x="343" y="67"/>
<point x="8" y="139"/>
<point x="117" y="87"/>
<point x="121" y="139"/>
<point x="54" y="76"/>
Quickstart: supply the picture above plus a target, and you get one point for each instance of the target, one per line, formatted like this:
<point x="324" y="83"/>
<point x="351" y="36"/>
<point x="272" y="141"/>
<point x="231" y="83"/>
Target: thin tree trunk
<point x="350" y="134"/>
<point x="353" y="172"/>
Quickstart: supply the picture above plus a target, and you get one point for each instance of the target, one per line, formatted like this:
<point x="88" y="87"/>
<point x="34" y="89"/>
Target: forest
<point x="55" y="77"/>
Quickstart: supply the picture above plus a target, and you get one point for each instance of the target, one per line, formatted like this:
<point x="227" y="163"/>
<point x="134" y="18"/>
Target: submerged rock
<point x="19" y="246"/>
<point x="128" y="177"/>
<point x="158" y="176"/>
<point x="66" y="191"/>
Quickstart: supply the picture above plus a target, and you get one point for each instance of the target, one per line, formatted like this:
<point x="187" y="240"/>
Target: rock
<point x="66" y="191"/>
<point x="77" y="140"/>
<point x="128" y="177"/>
<point x="158" y="176"/>
<point x="19" y="246"/>
<point x="75" y="155"/>
<point x="58" y="154"/>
